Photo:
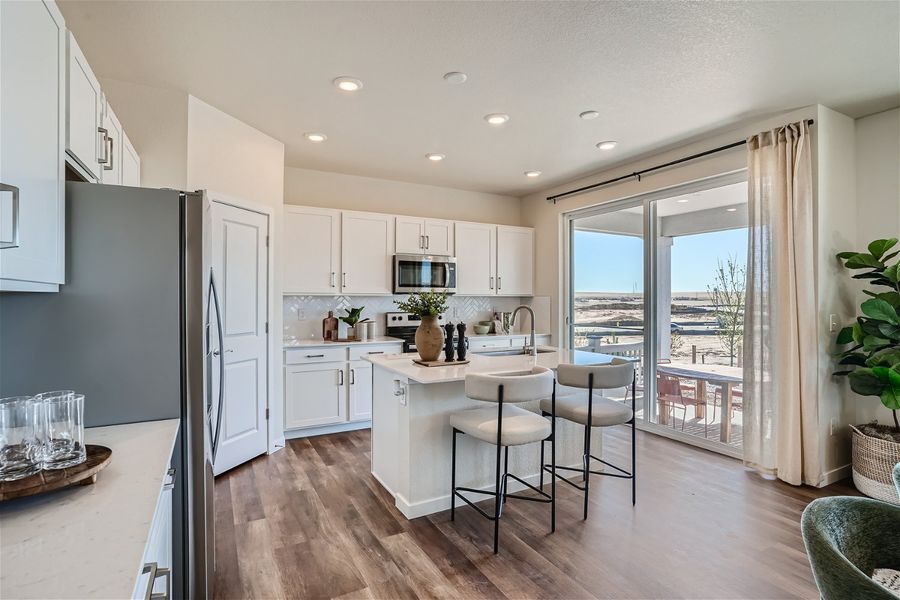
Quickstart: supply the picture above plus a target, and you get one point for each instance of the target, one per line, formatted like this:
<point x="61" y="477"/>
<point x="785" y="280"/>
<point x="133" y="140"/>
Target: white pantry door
<point x="240" y="264"/>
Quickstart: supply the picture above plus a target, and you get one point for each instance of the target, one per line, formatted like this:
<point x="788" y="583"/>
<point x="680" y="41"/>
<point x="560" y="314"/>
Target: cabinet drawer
<point x="299" y="356"/>
<point x="489" y="344"/>
<point x="358" y="352"/>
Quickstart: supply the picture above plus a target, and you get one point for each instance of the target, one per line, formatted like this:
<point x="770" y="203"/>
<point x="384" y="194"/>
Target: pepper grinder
<point x="461" y="341"/>
<point x="448" y="342"/>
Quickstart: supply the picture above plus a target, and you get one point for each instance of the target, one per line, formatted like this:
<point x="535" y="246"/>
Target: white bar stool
<point x="504" y="426"/>
<point x="589" y="411"/>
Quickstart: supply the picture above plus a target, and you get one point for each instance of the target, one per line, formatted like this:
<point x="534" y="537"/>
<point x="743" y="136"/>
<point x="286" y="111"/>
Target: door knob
<point x="217" y="353"/>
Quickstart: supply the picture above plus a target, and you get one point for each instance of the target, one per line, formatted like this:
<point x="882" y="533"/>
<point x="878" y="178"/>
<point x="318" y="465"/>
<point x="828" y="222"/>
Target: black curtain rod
<point x="638" y="174"/>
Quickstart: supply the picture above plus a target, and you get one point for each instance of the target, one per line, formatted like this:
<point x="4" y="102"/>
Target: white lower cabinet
<point x="327" y="386"/>
<point x="360" y="391"/>
<point x="314" y="395"/>
<point x="156" y="574"/>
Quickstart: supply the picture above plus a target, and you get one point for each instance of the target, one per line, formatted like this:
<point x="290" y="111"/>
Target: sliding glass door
<point x="660" y="279"/>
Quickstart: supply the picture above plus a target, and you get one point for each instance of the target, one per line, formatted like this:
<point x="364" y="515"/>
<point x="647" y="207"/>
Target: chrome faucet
<point x="512" y="323"/>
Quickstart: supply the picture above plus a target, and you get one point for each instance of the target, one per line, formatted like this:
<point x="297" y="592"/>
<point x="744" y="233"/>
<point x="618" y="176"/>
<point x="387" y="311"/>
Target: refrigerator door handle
<point x="215" y="435"/>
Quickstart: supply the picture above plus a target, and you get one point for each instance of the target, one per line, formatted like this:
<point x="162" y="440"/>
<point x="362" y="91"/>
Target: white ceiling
<point x="658" y="73"/>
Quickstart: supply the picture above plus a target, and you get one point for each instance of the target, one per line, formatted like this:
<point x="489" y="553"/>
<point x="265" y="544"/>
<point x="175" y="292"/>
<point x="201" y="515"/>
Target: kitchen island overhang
<point x="411" y="433"/>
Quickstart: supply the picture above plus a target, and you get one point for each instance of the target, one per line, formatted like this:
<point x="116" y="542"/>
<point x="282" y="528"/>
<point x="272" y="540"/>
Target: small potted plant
<point x="871" y="361"/>
<point x="429" y="335"/>
<point x="351" y="319"/>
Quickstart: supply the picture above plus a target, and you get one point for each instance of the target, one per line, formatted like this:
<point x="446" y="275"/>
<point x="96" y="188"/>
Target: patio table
<point x="722" y="375"/>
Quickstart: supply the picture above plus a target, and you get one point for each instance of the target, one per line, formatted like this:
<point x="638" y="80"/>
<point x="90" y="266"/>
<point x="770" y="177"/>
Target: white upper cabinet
<point x="86" y="140"/>
<point x="515" y="261"/>
<point x="424" y="236"/>
<point x="476" y="259"/>
<point x="112" y="169"/>
<point x="131" y="163"/>
<point x="312" y="250"/>
<point x="367" y="253"/>
<point x="32" y="111"/>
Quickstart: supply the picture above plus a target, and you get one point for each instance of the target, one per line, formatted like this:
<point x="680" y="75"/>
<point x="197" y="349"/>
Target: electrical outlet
<point x="833" y="324"/>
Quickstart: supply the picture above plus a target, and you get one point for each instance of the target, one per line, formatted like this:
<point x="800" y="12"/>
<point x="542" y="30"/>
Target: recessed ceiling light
<point x="589" y="115"/>
<point x="732" y="209"/>
<point x="435" y="157"/>
<point x="455" y="77"/>
<point x="682" y="200"/>
<point x="348" y="84"/>
<point x="315" y="137"/>
<point x="496" y="118"/>
<point x="607" y="145"/>
<point x="532" y="173"/>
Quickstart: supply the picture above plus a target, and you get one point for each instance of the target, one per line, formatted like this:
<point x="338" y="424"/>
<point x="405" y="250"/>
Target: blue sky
<point x="614" y="263"/>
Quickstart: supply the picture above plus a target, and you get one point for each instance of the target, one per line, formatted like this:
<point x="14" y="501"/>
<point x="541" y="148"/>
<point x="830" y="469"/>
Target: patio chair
<point x="737" y="400"/>
<point x="671" y="395"/>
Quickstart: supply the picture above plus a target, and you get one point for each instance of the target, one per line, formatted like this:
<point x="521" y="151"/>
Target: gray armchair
<point x="846" y="539"/>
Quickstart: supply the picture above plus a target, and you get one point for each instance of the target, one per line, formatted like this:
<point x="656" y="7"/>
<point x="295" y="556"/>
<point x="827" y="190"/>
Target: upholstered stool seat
<point x="505" y="425"/>
<point x="520" y="426"/>
<point x="605" y="412"/>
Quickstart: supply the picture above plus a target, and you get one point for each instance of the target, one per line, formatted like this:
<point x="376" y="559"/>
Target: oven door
<point x="422" y="273"/>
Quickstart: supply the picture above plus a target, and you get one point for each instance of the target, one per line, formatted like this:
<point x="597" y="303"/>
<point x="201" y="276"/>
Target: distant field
<point x="618" y="318"/>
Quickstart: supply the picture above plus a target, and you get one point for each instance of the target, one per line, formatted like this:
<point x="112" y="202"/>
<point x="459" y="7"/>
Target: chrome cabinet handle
<point x="421" y="242"/>
<point x="427" y="242"/>
<point x="344" y="279"/>
<point x="171" y="483"/>
<point x="109" y="156"/>
<point x="14" y="241"/>
<point x="340" y="377"/>
<point x="156" y="572"/>
<point x="352" y="376"/>
<point x="491" y="284"/>
<point x="103" y="158"/>
<point x="379" y="352"/>
<point x="498" y="283"/>
<point x="315" y="356"/>
<point x="332" y="279"/>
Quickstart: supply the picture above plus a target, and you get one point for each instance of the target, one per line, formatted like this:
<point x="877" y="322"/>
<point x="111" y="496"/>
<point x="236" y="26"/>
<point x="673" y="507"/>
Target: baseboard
<point x="293" y="434"/>
<point x="413" y="510"/>
<point x="835" y="475"/>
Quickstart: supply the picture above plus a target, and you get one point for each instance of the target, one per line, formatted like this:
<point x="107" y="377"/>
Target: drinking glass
<point x="19" y="438"/>
<point x="63" y="422"/>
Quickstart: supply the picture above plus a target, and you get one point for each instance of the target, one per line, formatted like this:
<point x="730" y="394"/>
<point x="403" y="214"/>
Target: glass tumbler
<point x="20" y="445"/>
<point x="63" y="423"/>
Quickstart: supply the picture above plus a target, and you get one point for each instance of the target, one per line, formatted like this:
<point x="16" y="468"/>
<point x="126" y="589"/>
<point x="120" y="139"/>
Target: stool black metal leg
<point x="505" y="471"/>
<point x="453" y="477"/>
<point x="498" y="499"/>
<point x="587" y="444"/>
<point x="633" y="447"/>
<point x="542" y="464"/>
<point x="552" y="460"/>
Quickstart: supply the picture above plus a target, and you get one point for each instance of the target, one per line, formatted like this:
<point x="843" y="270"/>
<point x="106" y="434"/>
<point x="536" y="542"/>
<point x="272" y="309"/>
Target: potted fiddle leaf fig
<point x="351" y="319"/>
<point x="870" y="359"/>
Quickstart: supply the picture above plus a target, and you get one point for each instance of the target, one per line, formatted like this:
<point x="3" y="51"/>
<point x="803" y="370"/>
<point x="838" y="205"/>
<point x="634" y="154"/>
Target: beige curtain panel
<point x="780" y="338"/>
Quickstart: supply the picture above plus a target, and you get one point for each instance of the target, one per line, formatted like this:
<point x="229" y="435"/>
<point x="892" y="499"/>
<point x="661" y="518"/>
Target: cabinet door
<point x="439" y="237"/>
<point x="475" y="259"/>
<point x="84" y="139"/>
<point x="131" y="163"/>
<point x="112" y="170"/>
<point x="32" y="110"/>
<point x="312" y="250"/>
<point x="360" y="391"/>
<point x="367" y="252"/>
<point x="314" y="395"/>
<point x="410" y="235"/>
<point x="515" y="261"/>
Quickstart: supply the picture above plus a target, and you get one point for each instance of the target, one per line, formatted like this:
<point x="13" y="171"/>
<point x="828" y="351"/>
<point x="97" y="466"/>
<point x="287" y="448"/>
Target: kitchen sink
<point x="515" y="352"/>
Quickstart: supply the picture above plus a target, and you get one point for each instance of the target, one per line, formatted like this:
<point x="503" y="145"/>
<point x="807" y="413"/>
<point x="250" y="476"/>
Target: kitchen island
<point x="411" y="434"/>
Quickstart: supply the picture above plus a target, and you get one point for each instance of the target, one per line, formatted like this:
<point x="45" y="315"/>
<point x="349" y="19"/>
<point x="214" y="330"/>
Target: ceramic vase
<point x="429" y="338"/>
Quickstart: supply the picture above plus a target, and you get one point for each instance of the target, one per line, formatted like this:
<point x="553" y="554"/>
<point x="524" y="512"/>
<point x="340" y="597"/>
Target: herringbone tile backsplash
<point x="303" y="314"/>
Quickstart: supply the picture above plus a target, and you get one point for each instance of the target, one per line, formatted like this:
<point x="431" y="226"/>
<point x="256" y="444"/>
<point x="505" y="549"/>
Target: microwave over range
<point x="424" y="273"/>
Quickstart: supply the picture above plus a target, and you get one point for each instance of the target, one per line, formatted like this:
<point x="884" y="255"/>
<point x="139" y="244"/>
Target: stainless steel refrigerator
<point x="136" y="329"/>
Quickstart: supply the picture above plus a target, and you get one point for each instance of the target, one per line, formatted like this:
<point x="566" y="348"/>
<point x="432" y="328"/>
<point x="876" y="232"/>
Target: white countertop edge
<point x="89" y="541"/>
<point x="323" y="344"/>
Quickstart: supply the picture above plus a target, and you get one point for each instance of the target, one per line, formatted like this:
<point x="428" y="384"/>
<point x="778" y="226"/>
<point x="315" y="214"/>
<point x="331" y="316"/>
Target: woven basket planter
<point x="873" y="460"/>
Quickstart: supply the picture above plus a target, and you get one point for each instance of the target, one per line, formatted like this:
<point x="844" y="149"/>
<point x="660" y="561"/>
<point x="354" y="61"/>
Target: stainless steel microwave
<point x="424" y="273"/>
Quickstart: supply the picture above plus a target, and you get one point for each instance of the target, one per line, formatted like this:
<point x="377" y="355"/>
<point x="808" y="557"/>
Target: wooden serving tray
<point x="439" y="363"/>
<point x="47" y="481"/>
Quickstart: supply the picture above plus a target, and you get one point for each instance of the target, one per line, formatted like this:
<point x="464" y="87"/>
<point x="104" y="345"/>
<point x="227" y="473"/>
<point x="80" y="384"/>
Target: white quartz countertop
<point x="381" y="339"/>
<point x="402" y="364"/>
<point x="515" y="334"/>
<point x="88" y="541"/>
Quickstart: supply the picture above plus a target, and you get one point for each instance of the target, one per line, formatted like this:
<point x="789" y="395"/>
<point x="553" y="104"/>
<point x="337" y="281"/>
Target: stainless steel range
<point x="403" y="325"/>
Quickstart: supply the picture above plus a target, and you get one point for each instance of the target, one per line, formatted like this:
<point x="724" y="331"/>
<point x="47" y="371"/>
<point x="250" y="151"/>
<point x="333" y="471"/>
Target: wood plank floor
<point x="311" y="522"/>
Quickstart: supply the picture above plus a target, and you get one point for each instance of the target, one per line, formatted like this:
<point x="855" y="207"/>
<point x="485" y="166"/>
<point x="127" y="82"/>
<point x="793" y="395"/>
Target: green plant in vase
<point x="352" y="317"/>
<point x="429" y="335"/>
